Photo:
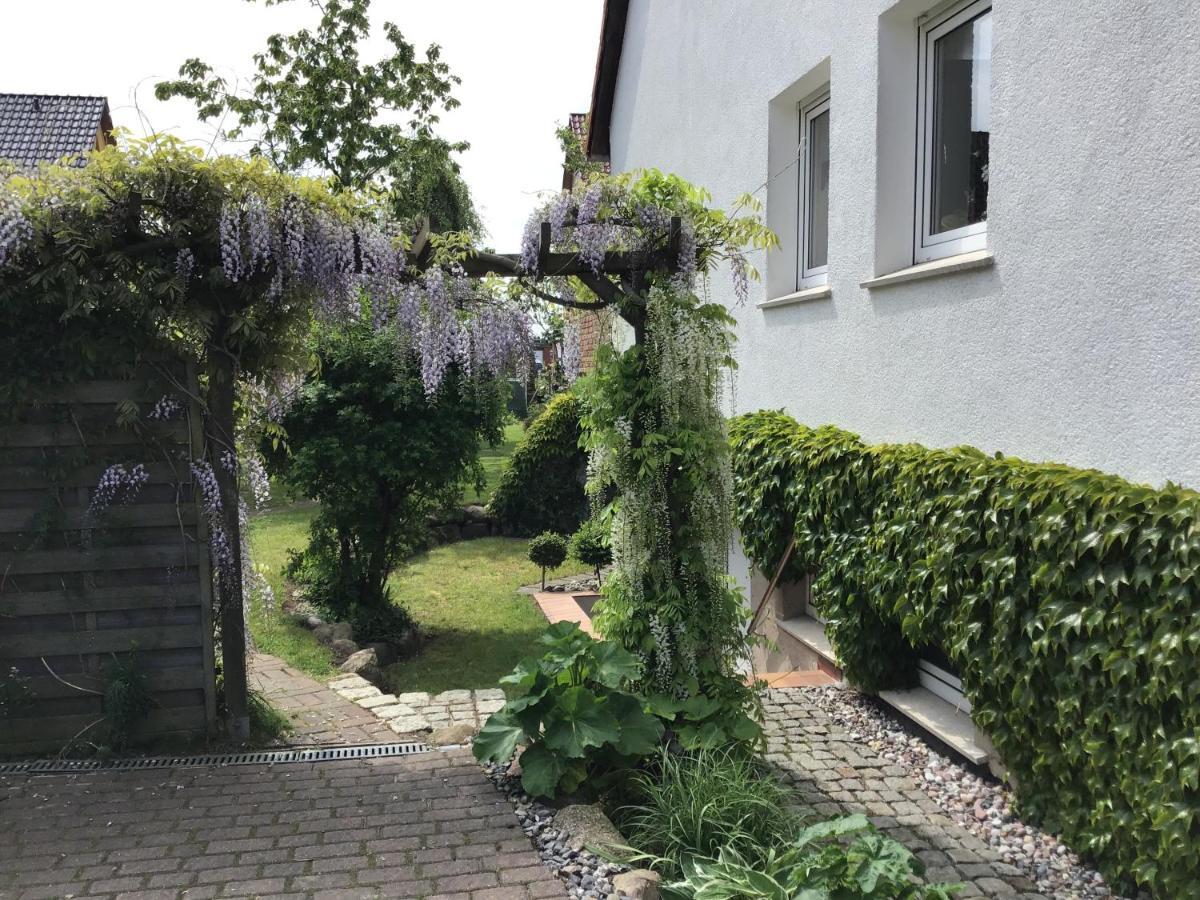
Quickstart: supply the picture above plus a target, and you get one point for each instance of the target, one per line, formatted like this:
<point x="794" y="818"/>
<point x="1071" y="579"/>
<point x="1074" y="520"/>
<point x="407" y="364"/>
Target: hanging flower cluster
<point x="117" y="484"/>
<point x="572" y="355"/>
<point x="166" y="408"/>
<point x="15" y="228"/>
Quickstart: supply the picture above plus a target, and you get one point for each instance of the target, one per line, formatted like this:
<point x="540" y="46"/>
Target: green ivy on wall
<point x="1068" y="599"/>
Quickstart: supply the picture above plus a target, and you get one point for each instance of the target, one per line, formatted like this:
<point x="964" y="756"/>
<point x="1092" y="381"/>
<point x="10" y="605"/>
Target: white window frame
<point x="816" y="276"/>
<point x="968" y="238"/>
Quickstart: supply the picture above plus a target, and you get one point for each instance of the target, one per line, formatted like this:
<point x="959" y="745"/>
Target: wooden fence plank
<point x="47" y="687"/>
<point x="139" y="596"/>
<point x="137" y="515"/>
<point x="108" y="559"/>
<point x="115" y="640"/>
<point x="23" y="478"/>
<point x="67" y="435"/>
<point x="50" y="733"/>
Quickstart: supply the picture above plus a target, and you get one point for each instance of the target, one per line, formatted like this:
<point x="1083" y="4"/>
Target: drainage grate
<point x="257" y="758"/>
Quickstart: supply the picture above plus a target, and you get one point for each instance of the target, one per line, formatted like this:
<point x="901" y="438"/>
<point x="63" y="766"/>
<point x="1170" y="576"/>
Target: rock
<point x="473" y="530"/>
<point x="362" y="663"/>
<point x="447" y="735"/>
<point x="385" y="653"/>
<point x="333" y="631"/>
<point x="640" y="884"/>
<point x="476" y="514"/>
<point x="314" y="621"/>
<point x="343" y="649"/>
<point x="588" y="828"/>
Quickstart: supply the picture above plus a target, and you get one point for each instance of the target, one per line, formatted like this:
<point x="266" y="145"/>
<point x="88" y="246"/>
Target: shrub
<point x="573" y="711"/>
<point x="817" y="864"/>
<point x="695" y="805"/>
<point x="591" y="546"/>
<point x="379" y="454"/>
<point x="1067" y="599"/>
<point x="542" y="487"/>
<point x="548" y="550"/>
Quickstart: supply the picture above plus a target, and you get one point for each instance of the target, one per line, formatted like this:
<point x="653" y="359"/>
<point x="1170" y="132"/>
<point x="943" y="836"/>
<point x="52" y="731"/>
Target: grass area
<point x="493" y="460"/>
<point x="462" y="596"/>
<point x="273" y="535"/>
<point x="474" y="625"/>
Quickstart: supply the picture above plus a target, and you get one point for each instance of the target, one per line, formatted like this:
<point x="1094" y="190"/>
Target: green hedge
<point x="1069" y="600"/>
<point x="542" y="487"/>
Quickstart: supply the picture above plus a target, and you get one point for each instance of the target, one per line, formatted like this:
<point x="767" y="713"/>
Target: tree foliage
<point x="379" y="454"/>
<point x="315" y="106"/>
<point x="1068" y="600"/>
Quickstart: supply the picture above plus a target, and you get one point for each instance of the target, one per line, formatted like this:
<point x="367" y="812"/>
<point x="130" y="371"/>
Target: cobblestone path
<point x="836" y="775"/>
<point x="428" y="825"/>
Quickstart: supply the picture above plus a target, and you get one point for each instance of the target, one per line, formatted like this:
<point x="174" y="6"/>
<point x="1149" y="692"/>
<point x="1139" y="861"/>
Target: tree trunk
<point x="222" y="375"/>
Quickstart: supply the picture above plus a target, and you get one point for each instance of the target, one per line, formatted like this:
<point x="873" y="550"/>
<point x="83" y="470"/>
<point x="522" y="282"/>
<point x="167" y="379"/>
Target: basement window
<point x="812" y="265"/>
<point x="954" y="114"/>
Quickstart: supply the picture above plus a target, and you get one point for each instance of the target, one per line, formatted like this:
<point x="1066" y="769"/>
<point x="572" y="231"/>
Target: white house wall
<point x="1081" y="344"/>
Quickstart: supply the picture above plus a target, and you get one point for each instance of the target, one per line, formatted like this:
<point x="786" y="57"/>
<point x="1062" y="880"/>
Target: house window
<point x="812" y="265"/>
<point x="954" y="112"/>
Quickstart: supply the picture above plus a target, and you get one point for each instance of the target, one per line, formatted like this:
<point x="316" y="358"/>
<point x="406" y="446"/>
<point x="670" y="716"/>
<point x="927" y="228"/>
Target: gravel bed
<point x="584" y="874"/>
<point x="982" y="806"/>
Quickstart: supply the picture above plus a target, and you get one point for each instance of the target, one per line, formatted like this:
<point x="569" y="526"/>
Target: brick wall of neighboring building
<point x="590" y="335"/>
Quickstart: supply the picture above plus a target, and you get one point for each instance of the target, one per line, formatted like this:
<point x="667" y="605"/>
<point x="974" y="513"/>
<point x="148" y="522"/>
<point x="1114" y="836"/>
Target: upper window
<point x="954" y="112"/>
<point x="812" y="265"/>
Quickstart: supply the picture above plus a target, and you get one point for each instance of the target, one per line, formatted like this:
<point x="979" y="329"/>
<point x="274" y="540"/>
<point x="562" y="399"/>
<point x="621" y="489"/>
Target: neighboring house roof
<point x="604" y="87"/>
<point x="578" y="123"/>
<point x="39" y="128"/>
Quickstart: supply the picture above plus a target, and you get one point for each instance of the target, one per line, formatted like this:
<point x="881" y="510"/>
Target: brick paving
<point x="836" y="774"/>
<point x="320" y="716"/>
<point x="425" y="826"/>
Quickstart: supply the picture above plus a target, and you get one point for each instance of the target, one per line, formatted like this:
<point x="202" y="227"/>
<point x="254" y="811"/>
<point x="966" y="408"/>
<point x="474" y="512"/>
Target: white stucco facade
<point x="1080" y="344"/>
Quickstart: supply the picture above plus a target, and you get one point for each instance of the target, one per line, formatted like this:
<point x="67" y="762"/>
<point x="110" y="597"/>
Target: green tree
<point x="313" y="105"/>
<point x="379" y="454"/>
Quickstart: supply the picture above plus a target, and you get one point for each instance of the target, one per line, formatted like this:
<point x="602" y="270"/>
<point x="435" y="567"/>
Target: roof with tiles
<point x="39" y="128"/>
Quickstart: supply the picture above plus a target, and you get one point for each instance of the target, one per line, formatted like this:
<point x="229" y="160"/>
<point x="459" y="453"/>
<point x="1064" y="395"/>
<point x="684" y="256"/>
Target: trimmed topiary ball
<point x="591" y="546"/>
<point x="548" y="550"/>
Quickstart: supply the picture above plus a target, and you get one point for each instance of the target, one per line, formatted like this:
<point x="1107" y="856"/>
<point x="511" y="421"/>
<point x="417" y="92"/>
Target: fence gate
<point x="82" y="587"/>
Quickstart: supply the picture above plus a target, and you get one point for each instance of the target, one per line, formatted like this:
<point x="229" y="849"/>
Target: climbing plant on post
<point x="643" y="244"/>
<point x="227" y="262"/>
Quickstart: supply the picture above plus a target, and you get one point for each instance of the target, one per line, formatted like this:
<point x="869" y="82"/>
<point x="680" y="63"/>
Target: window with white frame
<point x="812" y="264"/>
<point x="954" y="112"/>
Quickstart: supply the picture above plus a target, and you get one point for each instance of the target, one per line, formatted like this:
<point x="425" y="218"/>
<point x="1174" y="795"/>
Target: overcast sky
<point x="525" y="65"/>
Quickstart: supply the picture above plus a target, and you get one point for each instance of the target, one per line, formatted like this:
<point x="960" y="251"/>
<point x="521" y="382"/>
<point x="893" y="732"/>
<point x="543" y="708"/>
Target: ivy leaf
<point x="540" y="771"/>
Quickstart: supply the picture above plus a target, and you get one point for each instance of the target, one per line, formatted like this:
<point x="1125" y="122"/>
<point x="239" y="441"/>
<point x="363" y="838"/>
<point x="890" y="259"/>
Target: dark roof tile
<point x="37" y="128"/>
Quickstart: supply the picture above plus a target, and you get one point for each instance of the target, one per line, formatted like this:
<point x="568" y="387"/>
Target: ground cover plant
<point x="699" y="803"/>
<point x="1063" y="596"/>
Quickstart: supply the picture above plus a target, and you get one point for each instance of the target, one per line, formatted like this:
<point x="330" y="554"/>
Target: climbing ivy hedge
<point x="542" y="487"/>
<point x="1068" y="599"/>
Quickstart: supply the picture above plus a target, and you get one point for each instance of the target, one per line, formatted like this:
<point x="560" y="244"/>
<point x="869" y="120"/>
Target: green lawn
<point x="463" y="597"/>
<point x="474" y="624"/>
<point x="493" y="460"/>
<point x="272" y="536"/>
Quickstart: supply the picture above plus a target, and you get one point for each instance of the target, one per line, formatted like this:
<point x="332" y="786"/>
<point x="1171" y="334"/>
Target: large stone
<point x="450" y="735"/>
<point x="333" y="631"/>
<point x="342" y="650"/>
<point x="362" y="663"/>
<point x="458" y="696"/>
<point x="385" y="653"/>
<point x="587" y="827"/>
<point x="476" y="514"/>
<point x="640" y="884"/>
<point x="408" y="724"/>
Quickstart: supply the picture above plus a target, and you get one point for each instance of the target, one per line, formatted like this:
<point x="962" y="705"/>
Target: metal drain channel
<point x="257" y="758"/>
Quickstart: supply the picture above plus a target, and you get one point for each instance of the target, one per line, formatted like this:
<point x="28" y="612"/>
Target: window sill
<point x="963" y="262"/>
<point x="815" y="293"/>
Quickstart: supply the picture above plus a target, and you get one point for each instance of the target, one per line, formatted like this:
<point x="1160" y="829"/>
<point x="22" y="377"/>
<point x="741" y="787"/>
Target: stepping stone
<point x="359" y="693"/>
<point x="408" y="724"/>
<point x="393" y="710"/>
<point x="453" y="696"/>
<point x="374" y="702"/>
<point x="349" y="681"/>
<point x="490" y="694"/>
<point x="414" y="698"/>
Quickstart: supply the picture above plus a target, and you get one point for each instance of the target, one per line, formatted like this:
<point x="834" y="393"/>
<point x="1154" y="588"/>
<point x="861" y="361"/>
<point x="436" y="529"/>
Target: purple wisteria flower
<point x="572" y="352"/>
<point x="258" y="235"/>
<point x="166" y="408"/>
<point x="741" y="277"/>
<point x="229" y="229"/>
<point x="117" y="484"/>
<point x="15" y="229"/>
<point x="185" y="264"/>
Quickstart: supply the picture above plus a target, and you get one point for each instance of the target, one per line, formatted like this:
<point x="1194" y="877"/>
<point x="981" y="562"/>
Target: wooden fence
<point x="79" y="587"/>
